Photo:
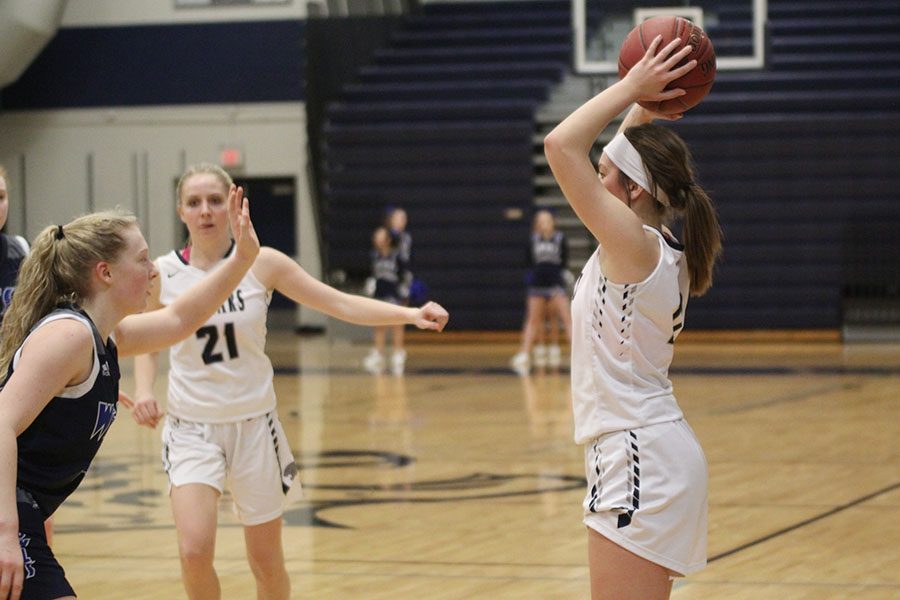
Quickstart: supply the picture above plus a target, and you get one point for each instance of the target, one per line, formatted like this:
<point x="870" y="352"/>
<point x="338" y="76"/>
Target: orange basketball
<point x="696" y="83"/>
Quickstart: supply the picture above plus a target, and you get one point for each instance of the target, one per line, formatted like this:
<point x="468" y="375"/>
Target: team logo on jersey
<point x="6" y="297"/>
<point x="24" y="540"/>
<point x="106" y="414"/>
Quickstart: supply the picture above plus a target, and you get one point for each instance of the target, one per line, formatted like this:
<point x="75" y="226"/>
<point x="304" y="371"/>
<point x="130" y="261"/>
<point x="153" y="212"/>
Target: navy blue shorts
<point x="44" y="577"/>
<point x="546" y="292"/>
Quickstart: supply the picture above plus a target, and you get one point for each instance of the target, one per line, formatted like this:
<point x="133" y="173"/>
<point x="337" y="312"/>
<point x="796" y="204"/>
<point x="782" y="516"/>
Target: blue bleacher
<point x="548" y="10"/>
<point x="534" y="89"/>
<point x="838" y="80"/>
<point x="450" y="22"/>
<point x="463" y="72"/>
<point x="799" y="156"/>
<point x="426" y="131"/>
<point x="561" y="52"/>
<point x="482" y="37"/>
<point x="441" y="122"/>
<point x="788" y="9"/>
<point x="405" y="111"/>
<point x="826" y="62"/>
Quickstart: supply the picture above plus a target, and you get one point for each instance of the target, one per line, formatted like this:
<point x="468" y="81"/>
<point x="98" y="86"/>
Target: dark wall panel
<point x="257" y="61"/>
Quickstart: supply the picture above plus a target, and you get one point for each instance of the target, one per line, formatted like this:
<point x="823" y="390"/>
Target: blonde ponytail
<point x="58" y="269"/>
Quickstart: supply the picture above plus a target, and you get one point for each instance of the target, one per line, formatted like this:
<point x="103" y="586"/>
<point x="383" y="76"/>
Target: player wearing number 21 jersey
<point x="222" y="429"/>
<point x="206" y="382"/>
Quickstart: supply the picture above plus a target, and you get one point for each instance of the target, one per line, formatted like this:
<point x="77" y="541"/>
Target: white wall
<point x="98" y="13"/>
<point x="138" y="153"/>
<point x="25" y="28"/>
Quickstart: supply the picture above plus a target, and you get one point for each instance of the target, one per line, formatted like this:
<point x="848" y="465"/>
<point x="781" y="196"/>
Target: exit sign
<point x="231" y="157"/>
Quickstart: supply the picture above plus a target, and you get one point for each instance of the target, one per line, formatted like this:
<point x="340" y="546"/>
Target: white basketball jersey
<point x="622" y="345"/>
<point x="221" y="373"/>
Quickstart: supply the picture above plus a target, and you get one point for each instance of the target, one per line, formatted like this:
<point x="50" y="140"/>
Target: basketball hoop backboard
<point x="735" y="27"/>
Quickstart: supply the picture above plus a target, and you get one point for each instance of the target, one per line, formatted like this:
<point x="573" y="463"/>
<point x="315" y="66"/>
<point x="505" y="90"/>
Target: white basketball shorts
<point x="646" y="492"/>
<point x="252" y="456"/>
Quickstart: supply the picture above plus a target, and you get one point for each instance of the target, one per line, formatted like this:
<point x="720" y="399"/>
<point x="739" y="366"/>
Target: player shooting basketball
<point x="646" y="505"/>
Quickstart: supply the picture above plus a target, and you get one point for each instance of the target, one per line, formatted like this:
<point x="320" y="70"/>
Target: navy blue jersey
<point x="12" y="253"/>
<point x="548" y="258"/>
<point x="402" y="241"/>
<point x="387" y="271"/>
<point x="56" y="450"/>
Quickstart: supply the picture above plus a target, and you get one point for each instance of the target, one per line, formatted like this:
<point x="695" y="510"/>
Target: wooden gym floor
<point x="461" y="480"/>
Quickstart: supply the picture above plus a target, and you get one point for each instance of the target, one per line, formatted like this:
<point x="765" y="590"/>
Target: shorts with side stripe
<point x="252" y="456"/>
<point x="44" y="577"/>
<point x="647" y="492"/>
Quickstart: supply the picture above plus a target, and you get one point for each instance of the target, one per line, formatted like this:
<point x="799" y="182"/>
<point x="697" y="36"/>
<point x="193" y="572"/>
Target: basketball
<point x="696" y="83"/>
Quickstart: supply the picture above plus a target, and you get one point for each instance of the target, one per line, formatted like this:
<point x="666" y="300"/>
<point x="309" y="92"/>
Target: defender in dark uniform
<point x="59" y="396"/>
<point x="13" y="249"/>
<point x="55" y="451"/>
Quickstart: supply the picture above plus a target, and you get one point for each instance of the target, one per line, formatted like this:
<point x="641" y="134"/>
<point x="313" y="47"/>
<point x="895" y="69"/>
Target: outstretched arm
<point x="278" y="271"/>
<point x="149" y="332"/>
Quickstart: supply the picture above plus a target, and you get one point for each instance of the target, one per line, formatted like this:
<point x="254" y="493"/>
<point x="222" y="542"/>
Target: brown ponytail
<point x="702" y="238"/>
<point x="671" y="168"/>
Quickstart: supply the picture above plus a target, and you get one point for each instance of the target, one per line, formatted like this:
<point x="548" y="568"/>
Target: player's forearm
<point x="145" y="369"/>
<point x="371" y="313"/>
<point x="579" y="130"/>
<point x="9" y="517"/>
<point x="637" y="115"/>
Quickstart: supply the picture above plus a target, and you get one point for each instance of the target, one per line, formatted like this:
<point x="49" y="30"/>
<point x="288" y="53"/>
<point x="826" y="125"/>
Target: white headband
<point x="623" y="155"/>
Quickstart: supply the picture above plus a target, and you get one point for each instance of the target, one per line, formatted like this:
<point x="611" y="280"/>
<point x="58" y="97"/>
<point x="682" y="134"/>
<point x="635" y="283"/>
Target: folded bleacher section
<point x="441" y="123"/>
<point x="800" y="158"/>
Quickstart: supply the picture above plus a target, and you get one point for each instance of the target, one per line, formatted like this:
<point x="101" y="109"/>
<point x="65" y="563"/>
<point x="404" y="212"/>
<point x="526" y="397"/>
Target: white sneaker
<point x="373" y="362"/>
<point x="398" y="362"/>
<point x="554" y="356"/>
<point x="520" y="363"/>
<point x="539" y="354"/>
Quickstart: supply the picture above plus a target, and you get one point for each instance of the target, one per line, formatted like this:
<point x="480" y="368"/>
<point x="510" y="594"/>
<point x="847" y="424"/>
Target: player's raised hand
<point x="245" y="239"/>
<point x="657" y="68"/>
